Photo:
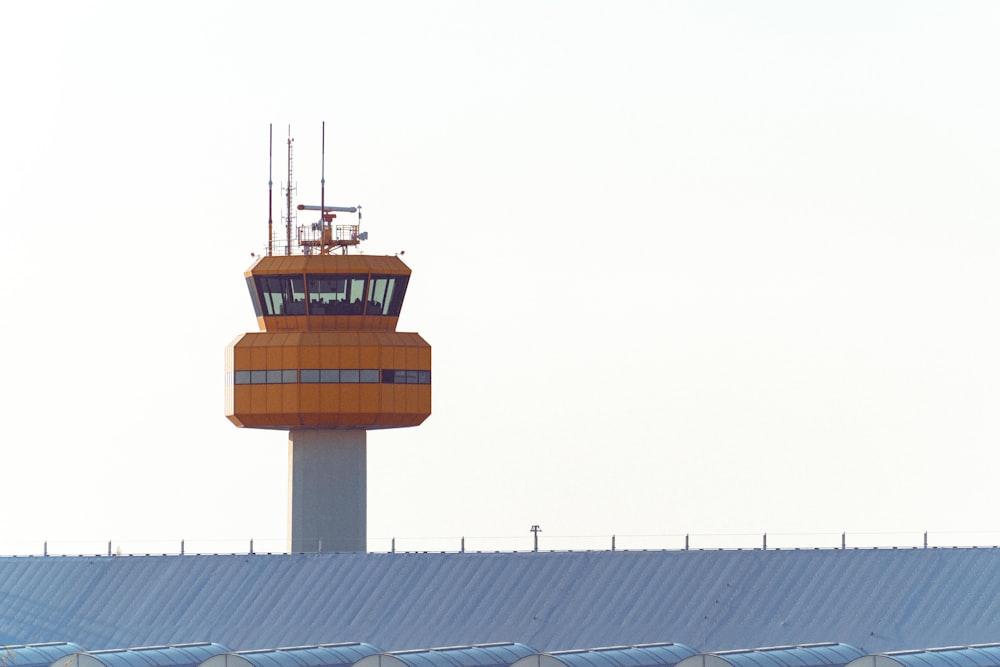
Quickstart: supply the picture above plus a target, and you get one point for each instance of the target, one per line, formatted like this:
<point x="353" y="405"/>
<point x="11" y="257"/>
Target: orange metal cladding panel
<point x="290" y="403"/>
<point x="424" y="358"/>
<point x="240" y="403"/>
<point x="400" y="358"/>
<point x="309" y="401"/>
<point x="274" y="353"/>
<point x="273" y="398"/>
<point x="258" y="399"/>
<point x="329" y="399"/>
<point x="368" y="353"/>
<point x="350" y="356"/>
<point x="290" y="354"/>
<point x="329" y="357"/>
<point x="258" y="354"/>
<point x="290" y="323"/>
<point x="399" y="397"/>
<point x="423" y="399"/>
<point x="309" y="355"/>
<point x="369" y="404"/>
<point x="350" y="399"/>
<point x="278" y="264"/>
<point x="417" y="399"/>
<point x="413" y="359"/>
<point x="241" y="356"/>
<point x="387" y="397"/>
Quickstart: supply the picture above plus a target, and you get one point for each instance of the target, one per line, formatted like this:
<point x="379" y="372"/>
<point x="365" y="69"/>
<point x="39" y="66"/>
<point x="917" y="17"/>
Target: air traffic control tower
<point x="327" y="366"/>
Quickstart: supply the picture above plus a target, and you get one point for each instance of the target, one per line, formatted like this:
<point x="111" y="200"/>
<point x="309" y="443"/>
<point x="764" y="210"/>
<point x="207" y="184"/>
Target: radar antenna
<point x="320" y="236"/>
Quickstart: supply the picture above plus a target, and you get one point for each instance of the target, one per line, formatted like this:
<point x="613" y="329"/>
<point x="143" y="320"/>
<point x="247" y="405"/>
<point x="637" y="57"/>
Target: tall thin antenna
<point x="270" y="184"/>
<point x="288" y="198"/>
<point x="322" y="178"/>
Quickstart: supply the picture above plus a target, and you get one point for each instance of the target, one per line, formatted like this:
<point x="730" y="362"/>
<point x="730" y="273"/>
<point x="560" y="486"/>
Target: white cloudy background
<point x="716" y="268"/>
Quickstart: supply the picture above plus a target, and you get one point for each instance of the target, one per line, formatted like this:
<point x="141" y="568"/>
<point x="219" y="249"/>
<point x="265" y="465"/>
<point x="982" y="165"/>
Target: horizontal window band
<point x="331" y="376"/>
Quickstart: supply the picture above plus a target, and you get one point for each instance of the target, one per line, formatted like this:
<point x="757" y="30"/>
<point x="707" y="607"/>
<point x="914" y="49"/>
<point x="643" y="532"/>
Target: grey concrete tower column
<point x="327" y="490"/>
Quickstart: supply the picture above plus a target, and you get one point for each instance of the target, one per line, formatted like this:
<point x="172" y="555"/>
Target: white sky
<point x="686" y="267"/>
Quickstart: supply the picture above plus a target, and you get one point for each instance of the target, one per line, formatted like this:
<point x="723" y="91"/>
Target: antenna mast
<point x="270" y="183"/>
<point x="322" y="179"/>
<point x="288" y="198"/>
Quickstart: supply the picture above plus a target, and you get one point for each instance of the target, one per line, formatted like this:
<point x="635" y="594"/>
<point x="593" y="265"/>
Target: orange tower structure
<point x="327" y="366"/>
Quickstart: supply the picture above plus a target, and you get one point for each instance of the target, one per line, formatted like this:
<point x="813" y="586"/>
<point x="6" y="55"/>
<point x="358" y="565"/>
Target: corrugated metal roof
<point x="36" y="655"/>
<point x="500" y="654"/>
<point x="323" y="655"/>
<point x="877" y="600"/>
<point x="663" y="654"/>
<point x="982" y="655"/>
<point x="177" y="655"/>
<point x="827" y="654"/>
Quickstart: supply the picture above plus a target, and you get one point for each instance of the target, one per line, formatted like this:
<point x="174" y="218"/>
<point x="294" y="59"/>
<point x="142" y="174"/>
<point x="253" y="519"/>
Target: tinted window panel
<point x="254" y="297"/>
<point x="258" y="377"/>
<point x="282" y="295"/>
<point x="351" y="375"/>
<point x="311" y="375"/>
<point x="357" y="295"/>
<point x="394" y="297"/>
<point x="368" y="375"/>
<point x="385" y="295"/>
<point x="379" y="289"/>
<point x="336" y="295"/>
<point x="242" y="377"/>
<point x="328" y="375"/>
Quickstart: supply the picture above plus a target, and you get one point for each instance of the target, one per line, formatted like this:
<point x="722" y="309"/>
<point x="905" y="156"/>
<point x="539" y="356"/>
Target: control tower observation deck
<point x="327" y="366"/>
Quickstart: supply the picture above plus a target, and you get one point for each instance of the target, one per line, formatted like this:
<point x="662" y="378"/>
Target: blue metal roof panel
<point x="982" y="655"/>
<point x="322" y="655"/>
<point x="812" y="655"/>
<point x="36" y="655"/>
<point x="878" y="600"/>
<point x="646" y="655"/>
<point x="179" y="655"/>
<point x="501" y="654"/>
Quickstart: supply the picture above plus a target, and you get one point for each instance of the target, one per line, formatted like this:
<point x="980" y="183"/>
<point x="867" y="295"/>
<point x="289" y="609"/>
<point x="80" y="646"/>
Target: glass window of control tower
<point x="336" y="295"/>
<point x="282" y="295"/>
<point x="385" y="295"/>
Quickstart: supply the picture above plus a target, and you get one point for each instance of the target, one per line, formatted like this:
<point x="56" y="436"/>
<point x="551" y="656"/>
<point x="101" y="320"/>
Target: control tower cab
<point x="328" y="355"/>
<point x="327" y="366"/>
